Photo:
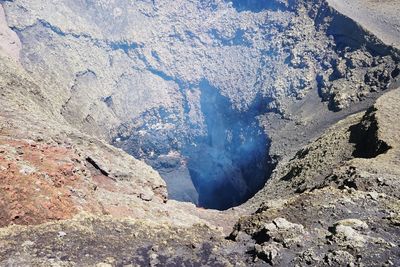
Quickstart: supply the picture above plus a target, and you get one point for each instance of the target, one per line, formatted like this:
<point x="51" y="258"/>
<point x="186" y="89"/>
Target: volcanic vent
<point x="190" y="86"/>
<point x="218" y="163"/>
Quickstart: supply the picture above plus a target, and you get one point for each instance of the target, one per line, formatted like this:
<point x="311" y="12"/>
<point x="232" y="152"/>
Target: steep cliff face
<point x="142" y="74"/>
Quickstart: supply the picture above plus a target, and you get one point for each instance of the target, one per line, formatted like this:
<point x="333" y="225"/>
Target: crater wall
<point x="197" y="87"/>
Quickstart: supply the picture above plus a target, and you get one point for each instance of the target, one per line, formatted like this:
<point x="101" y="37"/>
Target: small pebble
<point x="61" y="234"/>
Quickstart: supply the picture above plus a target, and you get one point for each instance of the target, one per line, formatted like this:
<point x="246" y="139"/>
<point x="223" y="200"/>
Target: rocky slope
<point x="172" y="82"/>
<point x="335" y="203"/>
<point x="50" y="170"/>
<point x="379" y="17"/>
<point x="212" y="94"/>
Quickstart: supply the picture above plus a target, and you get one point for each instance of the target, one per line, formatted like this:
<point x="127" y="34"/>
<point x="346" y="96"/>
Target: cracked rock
<point x="267" y="252"/>
<point x="346" y="233"/>
<point x="284" y="232"/>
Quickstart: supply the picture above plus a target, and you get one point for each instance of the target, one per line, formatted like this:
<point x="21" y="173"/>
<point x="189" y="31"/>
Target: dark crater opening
<point x="217" y="164"/>
<point x="231" y="163"/>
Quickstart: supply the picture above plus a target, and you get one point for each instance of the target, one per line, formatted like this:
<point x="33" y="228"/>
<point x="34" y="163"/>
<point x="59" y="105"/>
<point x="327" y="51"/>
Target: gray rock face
<point x="9" y="41"/>
<point x="150" y="77"/>
<point x="379" y="17"/>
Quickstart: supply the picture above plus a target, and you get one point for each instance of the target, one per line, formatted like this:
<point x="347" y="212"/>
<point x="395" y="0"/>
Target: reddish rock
<point x="36" y="183"/>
